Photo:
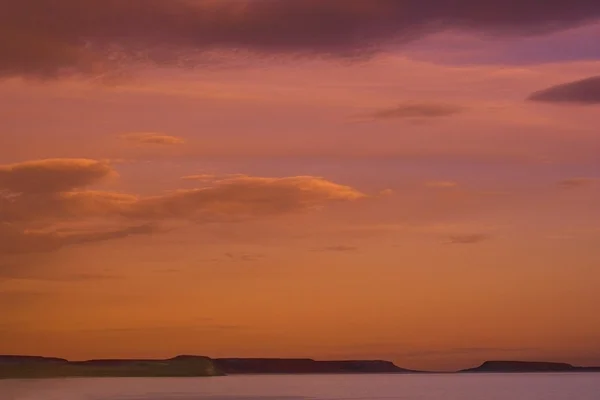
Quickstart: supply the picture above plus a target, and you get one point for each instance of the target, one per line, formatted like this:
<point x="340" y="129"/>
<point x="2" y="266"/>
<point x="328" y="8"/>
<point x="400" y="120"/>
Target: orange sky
<point x="410" y="206"/>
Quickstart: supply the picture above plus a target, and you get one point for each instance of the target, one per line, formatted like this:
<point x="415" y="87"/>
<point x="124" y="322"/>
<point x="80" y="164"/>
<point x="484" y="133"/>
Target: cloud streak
<point x="441" y="184"/>
<point x="572" y="183"/>
<point x="338" y="248"/>
<point x="16" y="241"/>
<point x="152" y="138"/>
<point x="50" y="38"/>
<point x="244" y="257"/>
<point x="245" y="196"/>
<point x="468" y="238"/>
<point x="418" y="110"/>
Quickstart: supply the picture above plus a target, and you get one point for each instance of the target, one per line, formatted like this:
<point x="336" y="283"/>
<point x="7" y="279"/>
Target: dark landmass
<point x="15" y="360"/>
<point x="28" y="367"/>
<point x="305" y="366"/>
<point x="16" y="367"/>
<point x="528" y="366"/>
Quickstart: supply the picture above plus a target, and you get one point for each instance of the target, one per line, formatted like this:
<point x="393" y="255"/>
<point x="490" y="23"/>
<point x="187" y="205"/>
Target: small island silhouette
<point x="21" y="367"/>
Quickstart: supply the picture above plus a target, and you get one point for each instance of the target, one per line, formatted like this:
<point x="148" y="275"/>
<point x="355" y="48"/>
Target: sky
<point x="415" y="181"/>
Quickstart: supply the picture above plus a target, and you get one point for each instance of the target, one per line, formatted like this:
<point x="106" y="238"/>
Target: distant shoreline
<point x="36" y="367"/>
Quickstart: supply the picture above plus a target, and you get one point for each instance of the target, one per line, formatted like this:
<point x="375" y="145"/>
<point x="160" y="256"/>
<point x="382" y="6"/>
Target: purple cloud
<point x="47" y="38"/>
<point x="585" y="91"/>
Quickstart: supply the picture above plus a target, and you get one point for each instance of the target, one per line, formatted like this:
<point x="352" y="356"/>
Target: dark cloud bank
<point x="585" y="91"/>
<point x="48" y="38"/>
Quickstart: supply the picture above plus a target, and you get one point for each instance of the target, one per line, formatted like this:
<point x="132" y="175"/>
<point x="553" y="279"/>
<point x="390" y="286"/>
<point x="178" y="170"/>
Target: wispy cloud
<point x="16" y="240"/>
<point x="211" y="177"/>
<point x="200" y="177"/>
<point x="441" y="184"/>
<point x="28" y="272"/>
<point x="572" y="183"/>
<point x="244" y="257"/>
<point x="152" y="138"/>
<point x="468" y="238"/>
<point x="338" y="248"/>
<point x="418" y="110"/>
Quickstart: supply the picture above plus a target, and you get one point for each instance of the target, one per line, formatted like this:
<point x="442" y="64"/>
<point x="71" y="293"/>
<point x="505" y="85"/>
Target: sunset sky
<point x="411" y="180"/>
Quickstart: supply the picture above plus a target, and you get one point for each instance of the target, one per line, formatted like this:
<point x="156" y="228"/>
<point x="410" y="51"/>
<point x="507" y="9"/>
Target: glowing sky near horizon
<point x="254" y="178"/>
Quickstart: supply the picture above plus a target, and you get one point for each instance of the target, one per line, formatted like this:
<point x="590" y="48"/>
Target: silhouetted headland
<point x="528" y="366"/>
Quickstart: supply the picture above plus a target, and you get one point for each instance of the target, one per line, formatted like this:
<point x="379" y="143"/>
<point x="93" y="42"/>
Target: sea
<point x="554" y="386"/>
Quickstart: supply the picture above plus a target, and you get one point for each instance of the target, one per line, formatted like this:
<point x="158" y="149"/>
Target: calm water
<point x="312" y="387"/>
